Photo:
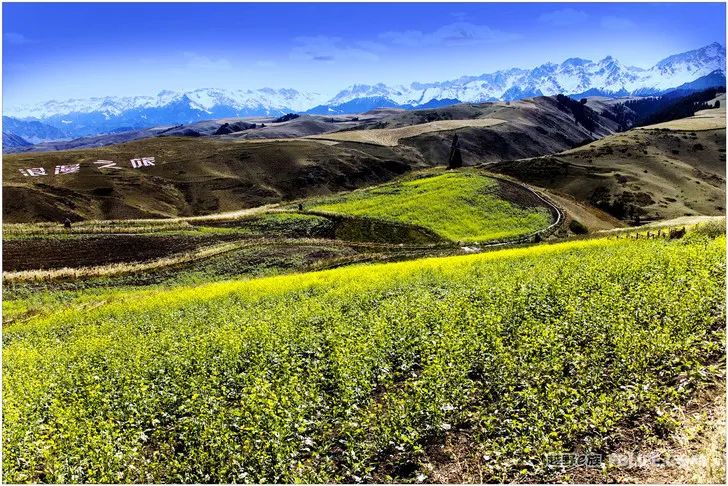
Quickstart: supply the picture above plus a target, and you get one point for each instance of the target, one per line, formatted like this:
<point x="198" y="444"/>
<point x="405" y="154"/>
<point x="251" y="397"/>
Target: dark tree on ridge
<point x="455" y="160"/>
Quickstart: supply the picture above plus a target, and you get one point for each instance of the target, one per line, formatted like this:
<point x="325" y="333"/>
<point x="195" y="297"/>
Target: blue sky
<point x="61" y="51"/>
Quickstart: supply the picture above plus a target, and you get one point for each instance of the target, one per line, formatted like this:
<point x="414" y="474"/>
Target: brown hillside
<point x="663" y="173"/>
<point x="202" y="175"/>
<point x="535" y="126"/>
<point x="191" y="176"/>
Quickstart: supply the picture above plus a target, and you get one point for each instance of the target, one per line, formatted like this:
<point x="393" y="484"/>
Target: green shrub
<point x="577" y="227"/>
<point x="710" y="229"/>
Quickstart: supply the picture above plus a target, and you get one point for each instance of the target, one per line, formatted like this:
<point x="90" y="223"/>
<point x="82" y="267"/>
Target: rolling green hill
<point x="425" y="212"/>
<point x="459" y="206"/>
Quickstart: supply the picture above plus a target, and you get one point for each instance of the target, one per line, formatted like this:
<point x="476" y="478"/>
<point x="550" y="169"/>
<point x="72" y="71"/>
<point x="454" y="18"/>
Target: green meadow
<point x="358" y="374"/>
<point x="459" y="206"/>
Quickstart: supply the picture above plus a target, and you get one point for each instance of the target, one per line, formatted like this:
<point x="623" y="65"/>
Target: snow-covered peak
<point x="713" y="54"/>
<point x="201" y="99"/>
<point x="688" y="66"/>
<point x="379" y="90"/>
<point x="573" y="76"/>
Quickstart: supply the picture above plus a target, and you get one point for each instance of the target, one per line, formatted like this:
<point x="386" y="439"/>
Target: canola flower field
<point x="459" y="206"/>
<point x="354" y="374"/>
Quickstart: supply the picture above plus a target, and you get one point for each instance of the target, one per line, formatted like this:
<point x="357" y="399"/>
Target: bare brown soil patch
<point x="390" y="137"/>
<point x="52" y="253"/>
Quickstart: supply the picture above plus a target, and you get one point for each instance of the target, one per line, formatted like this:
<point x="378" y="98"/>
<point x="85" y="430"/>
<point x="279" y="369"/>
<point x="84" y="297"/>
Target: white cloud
<point x="616" y="23"/>
<point x="455" y="34"/>
<point x="371" y="46"/>
<point x="564" y="17"/>
<point x="323" y="48"/>
<point x="204" y="63"/>
<point x="15" y="38"/>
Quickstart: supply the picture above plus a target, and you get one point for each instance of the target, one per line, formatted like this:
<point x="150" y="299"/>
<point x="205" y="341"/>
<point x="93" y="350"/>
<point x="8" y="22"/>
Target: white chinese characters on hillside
<point x="33" y="171"/>
<point x="106" y="164"/>
<point x="67" y="169"/>
<point x="64" y="169"/>
<point x="143" y="162"/>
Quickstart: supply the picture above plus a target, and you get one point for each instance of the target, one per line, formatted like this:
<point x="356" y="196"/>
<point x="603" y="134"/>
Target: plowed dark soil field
<point x="47" y="253"/>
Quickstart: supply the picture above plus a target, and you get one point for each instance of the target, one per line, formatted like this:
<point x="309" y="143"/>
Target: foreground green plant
<point x="352" y="374"/>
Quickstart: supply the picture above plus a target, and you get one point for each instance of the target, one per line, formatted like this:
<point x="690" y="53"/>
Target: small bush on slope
<point x="349" y="374"/>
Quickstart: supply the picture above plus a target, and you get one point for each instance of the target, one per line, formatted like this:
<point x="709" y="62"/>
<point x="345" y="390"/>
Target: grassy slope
<point x="539" y="125"/>
<point x="274" y="223"/>
<point x="529" y="350"/>
<point x="192" y="176"/>
<point x="702" y="120"/>
<point x="391" y="136"/>
<point x="668" y="173"/>
<point x="459" y="206"/>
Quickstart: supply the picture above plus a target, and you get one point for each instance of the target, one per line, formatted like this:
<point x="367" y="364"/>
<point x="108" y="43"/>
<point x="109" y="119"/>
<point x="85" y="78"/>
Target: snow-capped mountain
<point x="84" y="117"/>
<point x="265" y="101"/>
<point x="575" y="76"/>
<point x="33" y="131"/>
<point x="13" y="141"/>
<point x="688" y="66"/>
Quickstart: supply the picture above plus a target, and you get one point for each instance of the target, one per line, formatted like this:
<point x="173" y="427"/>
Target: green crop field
<point x="459" y="206"/>
<point x="262" y="223"/>
<point x="360" y="373"/>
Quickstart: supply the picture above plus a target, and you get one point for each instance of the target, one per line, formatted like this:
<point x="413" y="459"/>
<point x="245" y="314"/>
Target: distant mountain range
<point x="55" y="120"/>
<point x="12" y="141"/>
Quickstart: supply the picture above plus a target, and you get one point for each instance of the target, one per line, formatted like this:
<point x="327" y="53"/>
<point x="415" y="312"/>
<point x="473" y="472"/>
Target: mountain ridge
<point x="574" y="76"/>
